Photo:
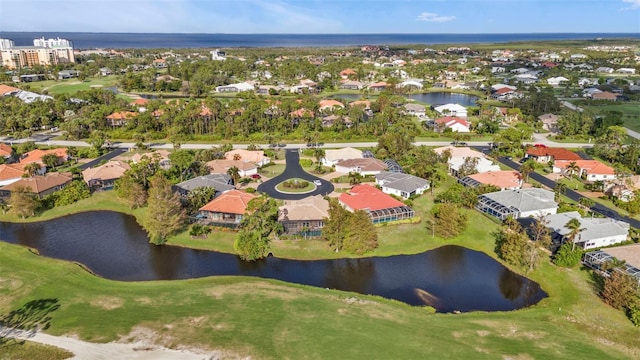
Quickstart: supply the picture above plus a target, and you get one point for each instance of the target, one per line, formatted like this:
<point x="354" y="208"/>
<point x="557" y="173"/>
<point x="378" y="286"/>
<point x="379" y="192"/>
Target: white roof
<point x="483" y="165"/>
<point x="450" y="107"/>
<point x="344" y="153"/>
<point x="243" y="86"/>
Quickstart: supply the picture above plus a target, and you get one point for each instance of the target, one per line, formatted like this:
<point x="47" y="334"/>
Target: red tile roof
<point x="503" y="179"/>
<point x="11" y="171"/>
<point x="140" y="101"/>
<point x="330" y="103"/>
<point x="37" y="154"/>
<point x="121" y="115"/>
<point x="367" y="197"/>
<point x="6" y="89"/>
<point x="590" y="166"/>
<point x="556" y="153"/>
<point x="5" y="150"/>
<point x="450" y="120"/>
<point x="231" y="202"/>
<point x="39" y="184"/>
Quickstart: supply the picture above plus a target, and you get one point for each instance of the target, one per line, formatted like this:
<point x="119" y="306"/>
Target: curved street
<point x="294" y="170"/>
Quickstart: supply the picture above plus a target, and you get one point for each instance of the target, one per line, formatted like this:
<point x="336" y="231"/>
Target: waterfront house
<point x="330" y="104"/>
<point x="378" y="86"/>
<point x="381" y="207"/>
<point x="595" y="233"/>
<point x="104" y="176"/>
<point x="239" y="87"/>
<point x="352" y="85"/>
<point x="227" y="210"/>
<point x="414" y="110"/>
<point x="628" y="254"/>
<point x="304" y="217"/>
<point x="40" y="185"/>
<point x="518" y="203"/>
<point x="400" y="184"/>
<point x="452" y="110"/>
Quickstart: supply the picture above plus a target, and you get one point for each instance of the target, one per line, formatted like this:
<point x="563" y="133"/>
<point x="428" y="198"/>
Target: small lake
<point x="432" y="98"/>
<point x="114" y="246"/>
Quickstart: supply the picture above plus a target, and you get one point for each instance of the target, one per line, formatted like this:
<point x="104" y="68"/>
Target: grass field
<point x="268" y="319"/>
<point x="630" y="113"/>
<point x="72" y="86"/>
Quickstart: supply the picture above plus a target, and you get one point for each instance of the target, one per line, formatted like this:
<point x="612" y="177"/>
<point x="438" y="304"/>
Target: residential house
<point x="392" y="165"/>
<point x="628" y="254"/>
<point x="331" y="157"/>
<point x="557" y="81"/>
<point x="629" y="71"/>
<point x="330" y="104"/>
<point x="105" y="71"/>
<point x="400" y="184"/>
<point x="140" y="104"/>
<point x="543" y="154"/>
<point x="161" y="156"/>
<point x="382" y="208"/>
<point x="415" y="110"/>
<point x="593" y="170"/>
<point x="456" y="124"/>
<point x="595" y="233"/>
<point x="504" y="179"/>
<point x="347" y="73"/>
<point x="620" y="192"/>
<point x="104" y="176"/>
<point x="220" y="182"/>
<point x="255" y="156"/>
<point x="378" y="86"/>
<point x="67" y="74"/>
<point x="40" y="185"/>
<point x="222" y="166"/>
<point x="352" y="85"/>
<point x="411" y="83"/>
<point x="227" y="210"/>
<point x="120" y="118"/>
<point x="459" y="156"/>
<point x="6" y="151"/>
<point x="304" y="217"/>
<point x="605" y="69"/>
<point x="10" y="173"/>
<point x="518" y="203"/>
<point x="364" y="166"/>
<point x="239" y="87"/>
<point x="456" y="110"/>
<point x="35" y="156"/>
<point x="549" y="122"/>
<point x="604" y="95"/>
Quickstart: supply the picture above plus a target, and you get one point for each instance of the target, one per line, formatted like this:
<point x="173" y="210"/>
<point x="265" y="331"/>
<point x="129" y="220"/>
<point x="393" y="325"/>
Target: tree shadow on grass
<point x="26" y="321"/>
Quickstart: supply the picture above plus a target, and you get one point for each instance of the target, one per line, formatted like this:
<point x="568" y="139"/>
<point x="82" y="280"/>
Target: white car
<point x="317" y="182"/>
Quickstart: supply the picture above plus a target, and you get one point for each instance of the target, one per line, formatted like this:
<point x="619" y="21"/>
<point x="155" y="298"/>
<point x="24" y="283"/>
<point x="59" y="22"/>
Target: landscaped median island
<point x="297" y="186"/>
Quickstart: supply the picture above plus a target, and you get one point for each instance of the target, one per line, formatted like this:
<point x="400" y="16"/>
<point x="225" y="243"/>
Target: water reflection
<point x="449" y="278"/>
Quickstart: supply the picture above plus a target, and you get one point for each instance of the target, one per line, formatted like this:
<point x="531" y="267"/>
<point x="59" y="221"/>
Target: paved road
<point x="574" y="195"/>
<point x="294" y="170"/>
<point x="105" y="157"/>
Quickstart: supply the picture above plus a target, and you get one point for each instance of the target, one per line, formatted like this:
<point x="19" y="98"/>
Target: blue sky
<point x="321" y="16"/>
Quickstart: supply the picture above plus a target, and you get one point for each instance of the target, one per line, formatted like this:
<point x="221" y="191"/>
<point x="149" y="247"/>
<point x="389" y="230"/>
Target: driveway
<point x="294" y="170"/>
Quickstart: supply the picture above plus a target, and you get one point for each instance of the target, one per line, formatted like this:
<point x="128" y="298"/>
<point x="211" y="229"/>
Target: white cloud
<point x="431" y="17"/>
<point x="635" y="4"/>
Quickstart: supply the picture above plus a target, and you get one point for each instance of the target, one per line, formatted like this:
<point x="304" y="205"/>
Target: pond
<point x="114" y="246"/>
<point x="433" y="98"/>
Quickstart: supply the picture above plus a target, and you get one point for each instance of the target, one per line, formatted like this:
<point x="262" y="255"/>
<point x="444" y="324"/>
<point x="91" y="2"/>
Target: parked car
<point x="256" y="176"/>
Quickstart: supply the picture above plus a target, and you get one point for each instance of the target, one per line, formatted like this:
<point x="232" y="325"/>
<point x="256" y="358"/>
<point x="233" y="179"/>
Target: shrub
<point x="306" y="162"/>
<point x="250" y="190"/>
<point x="567" y="257"/>
<point x="295" y="184"/>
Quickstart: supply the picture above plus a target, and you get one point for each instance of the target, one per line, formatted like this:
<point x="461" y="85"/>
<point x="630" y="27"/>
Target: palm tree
<point x="234" y="172"/>
<point x="318" y="153"/>
<point x="527" y="168"/>
<point x="50" y="160"/>
<point x="32" y="168"/>
<point x="586" y="202"/>
<point x="354" y="178"/>
<point x="560" y="188"/>
<point x="574" y="226"/>
<point x="572" y="168"/>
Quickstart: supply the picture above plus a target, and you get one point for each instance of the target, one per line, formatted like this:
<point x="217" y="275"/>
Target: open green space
<point x="272" y="170"/>
<point x="72" y="86"/>
<point x="630" y="113"/>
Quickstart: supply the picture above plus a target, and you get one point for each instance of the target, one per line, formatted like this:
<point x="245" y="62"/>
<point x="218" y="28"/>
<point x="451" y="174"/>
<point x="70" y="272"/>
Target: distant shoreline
<point x="89" y="40"/>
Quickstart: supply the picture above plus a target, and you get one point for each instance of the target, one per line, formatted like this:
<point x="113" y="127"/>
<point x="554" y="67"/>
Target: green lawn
<point x="272" y="170"/>
<point x="630" y="113"/>
<point x="309" y="186"/>
<point x="268" y="319"/>
<point x="72" y="86"/>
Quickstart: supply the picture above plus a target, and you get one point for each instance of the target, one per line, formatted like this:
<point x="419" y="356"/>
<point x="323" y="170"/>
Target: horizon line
<point x="267" y="33"/>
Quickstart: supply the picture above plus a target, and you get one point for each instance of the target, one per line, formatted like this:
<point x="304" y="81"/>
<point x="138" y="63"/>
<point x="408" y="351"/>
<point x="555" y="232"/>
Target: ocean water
<point x="140" y="40"/>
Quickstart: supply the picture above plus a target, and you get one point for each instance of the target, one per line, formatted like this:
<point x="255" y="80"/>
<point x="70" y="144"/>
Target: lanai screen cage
<point x="469" y="182"/>
<point x="496" y="209"/>
<point x="391" y="214"/>
<point x="596" y="259"/>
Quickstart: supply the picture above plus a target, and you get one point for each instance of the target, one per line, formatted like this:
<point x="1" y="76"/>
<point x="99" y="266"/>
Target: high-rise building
<point x="43" y="52"/>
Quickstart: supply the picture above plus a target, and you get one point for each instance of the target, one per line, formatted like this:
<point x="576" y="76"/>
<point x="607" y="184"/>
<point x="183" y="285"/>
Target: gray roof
<point x="414" y="107"/>
<point x="220" y="182"/>
<point x="593" y="228"/>
<point x="401" y="181"/>
<point x="531" y="199"/>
